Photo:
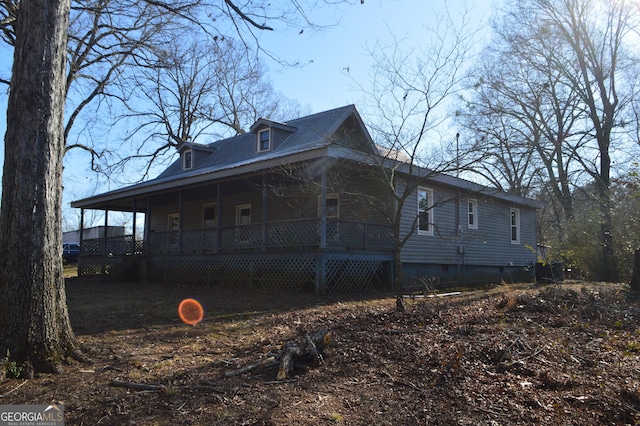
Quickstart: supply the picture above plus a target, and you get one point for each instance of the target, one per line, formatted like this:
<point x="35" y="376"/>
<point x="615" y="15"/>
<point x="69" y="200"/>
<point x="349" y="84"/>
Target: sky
<point x="331" y="60"/>
<point x="324" y="83"/>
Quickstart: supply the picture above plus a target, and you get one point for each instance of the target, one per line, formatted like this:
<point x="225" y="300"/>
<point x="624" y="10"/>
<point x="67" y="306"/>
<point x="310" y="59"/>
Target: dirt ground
<point x="511" y="355"/>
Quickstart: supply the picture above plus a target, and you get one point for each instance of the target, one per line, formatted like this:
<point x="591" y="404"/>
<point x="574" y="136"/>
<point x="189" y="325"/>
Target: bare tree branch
<point x="245" y="17"/>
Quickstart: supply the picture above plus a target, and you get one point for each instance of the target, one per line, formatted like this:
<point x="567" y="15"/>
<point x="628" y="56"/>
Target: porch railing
<point x="340" y="235"/>
<point x="112" y="246"/>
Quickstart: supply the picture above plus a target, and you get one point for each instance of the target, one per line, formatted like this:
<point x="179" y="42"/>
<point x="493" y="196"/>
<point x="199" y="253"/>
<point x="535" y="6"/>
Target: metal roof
<point x="238" y="154"/>
<point x="314" y="137"/>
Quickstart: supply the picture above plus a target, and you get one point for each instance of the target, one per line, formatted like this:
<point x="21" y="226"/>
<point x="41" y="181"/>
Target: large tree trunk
<point x="34" y="323"/>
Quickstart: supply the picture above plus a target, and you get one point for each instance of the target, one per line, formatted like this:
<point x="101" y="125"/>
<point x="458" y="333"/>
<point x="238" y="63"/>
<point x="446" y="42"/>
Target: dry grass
<point x="565" y="355"/>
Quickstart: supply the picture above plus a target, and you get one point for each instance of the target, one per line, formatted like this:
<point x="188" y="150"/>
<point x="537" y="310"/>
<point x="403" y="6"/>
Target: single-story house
<point x="309" y="205"/>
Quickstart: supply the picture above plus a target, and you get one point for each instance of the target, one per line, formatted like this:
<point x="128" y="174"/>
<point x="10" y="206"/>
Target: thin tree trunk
<point x="635" y="277"/>
<point x="398" y="279"/>
<point x="610" y="265"/>
<point x="34" y="322"/>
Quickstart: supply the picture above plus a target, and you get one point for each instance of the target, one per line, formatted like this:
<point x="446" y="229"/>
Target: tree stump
<point x="310" y="350"/>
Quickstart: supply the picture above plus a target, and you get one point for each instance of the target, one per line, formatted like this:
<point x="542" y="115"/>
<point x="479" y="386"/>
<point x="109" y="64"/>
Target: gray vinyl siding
<point x="200" y="158"/>
<point x="230" y="202"/>
<point x="353" y="207"/>
<point x="454" y="243"/>
<point x="160" y="215"/>
<point x="277" y="137"/>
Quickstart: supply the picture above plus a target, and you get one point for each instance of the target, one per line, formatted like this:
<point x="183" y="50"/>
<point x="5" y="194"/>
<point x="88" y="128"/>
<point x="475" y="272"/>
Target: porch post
<point x="321" y="273"/>
<point x="264" y="214"/>
<point x="180" y="219"/>
<point x="146" y="238"/>
<point x="133" y="238"/>
<point x="81" y="228"/>
<point x="218" y="217"/>
<point x="105" y="252"/>
<point x="323" y="209"/>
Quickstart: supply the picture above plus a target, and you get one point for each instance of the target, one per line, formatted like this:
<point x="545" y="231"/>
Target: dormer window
<point x="264" y="140"/>
<point x="187" y="160"/>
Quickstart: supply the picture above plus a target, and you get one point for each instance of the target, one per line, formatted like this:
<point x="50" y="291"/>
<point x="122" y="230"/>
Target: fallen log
<point x="309" y="349"/>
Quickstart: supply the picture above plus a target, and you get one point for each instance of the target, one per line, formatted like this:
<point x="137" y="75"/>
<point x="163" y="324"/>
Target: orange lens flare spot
<point x="190" y="311"/>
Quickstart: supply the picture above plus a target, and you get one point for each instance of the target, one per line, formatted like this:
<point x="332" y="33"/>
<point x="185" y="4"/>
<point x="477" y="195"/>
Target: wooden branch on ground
<point x="265" y="363"/>
<point x="309" y="350"/>
<point x="135" y="386"/>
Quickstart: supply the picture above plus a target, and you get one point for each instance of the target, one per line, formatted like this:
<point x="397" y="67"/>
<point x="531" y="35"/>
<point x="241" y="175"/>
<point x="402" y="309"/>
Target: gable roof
<point x="310" y="132"/>
<point x="337" y="132"/>
<point x="310" y="135"/>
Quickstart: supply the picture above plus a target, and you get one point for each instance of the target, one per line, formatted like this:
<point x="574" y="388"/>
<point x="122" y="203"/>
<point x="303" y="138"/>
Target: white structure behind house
<point x="91" y="233"/>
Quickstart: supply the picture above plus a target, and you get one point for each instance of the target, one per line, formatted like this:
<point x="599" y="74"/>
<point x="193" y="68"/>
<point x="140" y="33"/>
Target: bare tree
<point x="408" y="102"/>
<point x="36" y="332"/>
<point x="199" y="93"/>
<point x="580" y="55"/>
<point x="34" y="323"/>
<point x="110" y="40"/>
<point x="529" y="116"/>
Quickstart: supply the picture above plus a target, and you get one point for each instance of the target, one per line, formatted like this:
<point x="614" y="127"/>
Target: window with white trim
<point x="264" y="140"/>
<point x="173" y="226"/>
<point x="187" y="160"/>
<point x="425" y="211"/>
<point x="209" y="212"/>
<point x="515" y="225"/>
<point x="243" y="214"/>
<point x="472" y="214"/>
<point x="332" y="204"/>
<point x="332" y="212"/>
<point x="173" y="222"/>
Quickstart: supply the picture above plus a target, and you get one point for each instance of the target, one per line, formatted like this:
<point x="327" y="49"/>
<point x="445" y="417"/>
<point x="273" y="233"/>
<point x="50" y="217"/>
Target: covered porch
<point x="240" y="232"/>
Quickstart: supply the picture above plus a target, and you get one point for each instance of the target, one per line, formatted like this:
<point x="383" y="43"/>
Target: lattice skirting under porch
<point x="323" y="273"/>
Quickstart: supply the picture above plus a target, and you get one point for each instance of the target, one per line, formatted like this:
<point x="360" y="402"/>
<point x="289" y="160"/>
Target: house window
<point x="472" y="209"/>
<point x="187" y="160"/>
<point x="332" y="205"/>
<point x="209" y="216"/>
<point x="264" y="140"/>
<point x="515" y="226"/>
<point x="243" y="214"/>
<point x="332" y="212"/>
<point x="174" y="222"/>
<point x="425" y="211"/>
<point x="173" y="226"/>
